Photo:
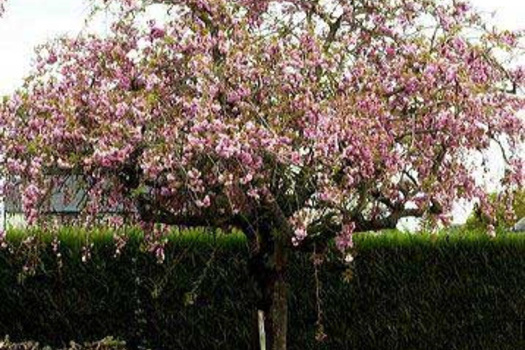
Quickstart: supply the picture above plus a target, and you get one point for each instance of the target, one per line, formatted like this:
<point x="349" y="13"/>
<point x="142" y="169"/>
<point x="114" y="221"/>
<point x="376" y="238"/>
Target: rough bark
<point x="268" y="267"/>
<point x="279" y="304"/>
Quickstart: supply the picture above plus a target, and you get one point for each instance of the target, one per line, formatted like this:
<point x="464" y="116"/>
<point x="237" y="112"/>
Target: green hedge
<point x="457" y="291"/>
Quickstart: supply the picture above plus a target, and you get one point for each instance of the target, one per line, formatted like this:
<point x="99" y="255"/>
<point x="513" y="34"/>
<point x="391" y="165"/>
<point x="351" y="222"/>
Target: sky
<point x="28" y="23"/>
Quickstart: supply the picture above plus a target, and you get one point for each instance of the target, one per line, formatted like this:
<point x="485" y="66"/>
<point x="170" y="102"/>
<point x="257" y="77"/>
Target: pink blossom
<point x="344" y="241"/>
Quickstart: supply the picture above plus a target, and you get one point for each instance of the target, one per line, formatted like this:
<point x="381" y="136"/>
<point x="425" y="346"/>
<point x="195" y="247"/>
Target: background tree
<point x="500" y="213"/>
<point x="296" y="121"/>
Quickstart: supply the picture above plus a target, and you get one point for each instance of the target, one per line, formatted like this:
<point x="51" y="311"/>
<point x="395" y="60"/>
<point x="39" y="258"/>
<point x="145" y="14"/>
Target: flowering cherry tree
<point x="294" y="121"/>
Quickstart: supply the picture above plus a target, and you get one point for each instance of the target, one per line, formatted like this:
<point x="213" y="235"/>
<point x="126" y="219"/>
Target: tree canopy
<point x="332" y="116"/>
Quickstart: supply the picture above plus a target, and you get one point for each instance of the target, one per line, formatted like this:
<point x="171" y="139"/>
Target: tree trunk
<point x="277" y="322"/>
<point x="271" y="278"/>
